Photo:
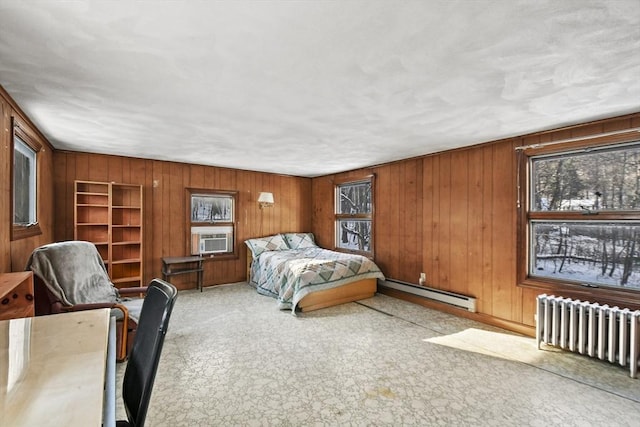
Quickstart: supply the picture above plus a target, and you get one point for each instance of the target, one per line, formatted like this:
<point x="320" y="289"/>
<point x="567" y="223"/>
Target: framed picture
<point x="211" y="208"/>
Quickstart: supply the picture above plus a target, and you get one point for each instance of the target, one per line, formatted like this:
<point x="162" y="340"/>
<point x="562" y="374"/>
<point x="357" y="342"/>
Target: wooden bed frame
<point x="350" y="292"/>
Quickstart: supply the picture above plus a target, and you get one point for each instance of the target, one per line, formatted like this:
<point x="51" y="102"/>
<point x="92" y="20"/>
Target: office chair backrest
<point x="143" y="361"/>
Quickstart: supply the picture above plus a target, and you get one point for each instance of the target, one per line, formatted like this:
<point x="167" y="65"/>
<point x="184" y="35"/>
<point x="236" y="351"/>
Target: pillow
<point x="264" y="244"/>
<point x="300" y="240"/>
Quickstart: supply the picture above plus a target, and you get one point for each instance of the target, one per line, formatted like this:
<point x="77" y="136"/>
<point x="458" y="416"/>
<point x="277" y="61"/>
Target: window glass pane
<point x="606" y="254"/>
<point x="354" y="234"/>
<point x="354" y="198"/>
<point x="211" y="208"/>
<point x="599" y="180"/>
<point x="24" y="183"/>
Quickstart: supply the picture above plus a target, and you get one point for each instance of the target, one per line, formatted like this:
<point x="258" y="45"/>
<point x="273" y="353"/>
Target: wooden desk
<point x="52" y="369"/>
<point x="183" y="265"/>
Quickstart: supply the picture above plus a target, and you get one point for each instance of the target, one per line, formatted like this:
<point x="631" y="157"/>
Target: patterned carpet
<point x="232" y="359"/>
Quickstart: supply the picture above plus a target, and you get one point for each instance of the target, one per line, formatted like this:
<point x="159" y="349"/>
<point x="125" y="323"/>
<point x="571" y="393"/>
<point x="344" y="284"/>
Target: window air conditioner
<point x="214" y="243"/>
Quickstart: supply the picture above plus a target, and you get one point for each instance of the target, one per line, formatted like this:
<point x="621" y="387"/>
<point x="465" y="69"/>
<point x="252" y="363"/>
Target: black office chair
<point x="140" y="372"/>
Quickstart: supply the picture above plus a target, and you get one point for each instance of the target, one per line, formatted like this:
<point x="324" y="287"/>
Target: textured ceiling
<point x="313" y="87"/>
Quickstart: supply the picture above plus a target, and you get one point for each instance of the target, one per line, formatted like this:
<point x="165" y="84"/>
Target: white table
<point x="53" y="369"/>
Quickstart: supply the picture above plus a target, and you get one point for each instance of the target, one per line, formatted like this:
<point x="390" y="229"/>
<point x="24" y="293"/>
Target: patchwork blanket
<point x="290" y="275"/>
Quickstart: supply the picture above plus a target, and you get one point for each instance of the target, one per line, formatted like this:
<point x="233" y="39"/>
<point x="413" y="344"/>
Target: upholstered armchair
<point x="71" y="276"/>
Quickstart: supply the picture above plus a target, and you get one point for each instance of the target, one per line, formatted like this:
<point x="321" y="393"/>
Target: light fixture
<point x="265" y="200"/>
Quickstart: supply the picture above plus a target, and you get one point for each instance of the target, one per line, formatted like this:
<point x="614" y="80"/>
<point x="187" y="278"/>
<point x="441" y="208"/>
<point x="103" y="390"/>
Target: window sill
<point x="355" y="252"/>
<point x="19" y="232"/>
<point x="623" y="298"/>
<point x="219" y="257"/>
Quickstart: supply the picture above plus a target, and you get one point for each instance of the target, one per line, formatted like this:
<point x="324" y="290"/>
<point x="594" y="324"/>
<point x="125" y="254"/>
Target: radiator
<point x="458" y="300"/>
<point x="599" y="331"/>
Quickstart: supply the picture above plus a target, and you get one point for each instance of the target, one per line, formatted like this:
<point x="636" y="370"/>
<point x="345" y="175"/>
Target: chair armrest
<point x="92" y="306"/>
<point x="57" y="307"/>
<point x="133" y="291"/>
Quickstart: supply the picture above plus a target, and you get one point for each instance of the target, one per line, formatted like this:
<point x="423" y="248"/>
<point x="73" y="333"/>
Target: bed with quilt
<point x="302" y="276"/>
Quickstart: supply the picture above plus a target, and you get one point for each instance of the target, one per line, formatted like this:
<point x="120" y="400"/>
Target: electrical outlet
<point x="423" y="278"/>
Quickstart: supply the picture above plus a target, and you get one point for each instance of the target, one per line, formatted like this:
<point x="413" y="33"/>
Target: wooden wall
<point x="14" y="255"/>
<point x="164" y="186"/>
<point x="453" y="215"/>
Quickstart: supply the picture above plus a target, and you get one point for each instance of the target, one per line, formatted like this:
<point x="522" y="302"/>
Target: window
<point x="582" y="218"/>
<point x="211" y="222"/>
<point x="211" y="208"/>
<point x="354" y="216"/>
<point x="25" y="183"/>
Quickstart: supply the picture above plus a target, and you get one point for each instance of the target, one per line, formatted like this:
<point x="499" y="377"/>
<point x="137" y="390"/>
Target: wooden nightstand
<point x="16" y="295"/>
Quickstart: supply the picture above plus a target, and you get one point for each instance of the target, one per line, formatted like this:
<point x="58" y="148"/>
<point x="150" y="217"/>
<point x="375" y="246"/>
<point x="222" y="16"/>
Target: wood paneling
<point x="453" y="216"/>
<point x="164" y="188"/>
<point x="5" y="189"/>
<point x="397" y="237"/>
<point x="14" y="254"/>
<point x="475" y="222"/>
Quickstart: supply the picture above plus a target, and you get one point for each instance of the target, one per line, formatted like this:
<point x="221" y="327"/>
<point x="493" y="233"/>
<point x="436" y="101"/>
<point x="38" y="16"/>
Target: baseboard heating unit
<point x="598" y="331"/>
<point x="458" y="300"/>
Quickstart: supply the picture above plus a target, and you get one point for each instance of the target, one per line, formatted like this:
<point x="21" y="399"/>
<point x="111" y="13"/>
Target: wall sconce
<point x="265" y="200"/>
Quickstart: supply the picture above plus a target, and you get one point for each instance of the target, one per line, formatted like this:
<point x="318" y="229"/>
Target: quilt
<point x="290" y="275"/>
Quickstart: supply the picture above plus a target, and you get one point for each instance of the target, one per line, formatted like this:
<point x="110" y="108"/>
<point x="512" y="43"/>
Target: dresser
<point x="16" y="295"/>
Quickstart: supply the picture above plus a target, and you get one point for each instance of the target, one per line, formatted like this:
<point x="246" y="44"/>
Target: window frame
<point x="357" y="216"/>
<point x="21" y="132"/>
<point x="623" y="297"/>
<point x="198" y="192"/>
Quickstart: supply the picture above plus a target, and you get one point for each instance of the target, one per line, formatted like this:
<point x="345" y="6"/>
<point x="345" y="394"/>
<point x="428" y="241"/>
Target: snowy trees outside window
<point x="354" y="216"/>
<point x="211" y="208"/>
<point x="584" y="216"/>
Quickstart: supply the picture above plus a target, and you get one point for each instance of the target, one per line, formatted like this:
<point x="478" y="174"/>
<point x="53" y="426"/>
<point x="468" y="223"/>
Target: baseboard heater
<point x="598" y="331"/>
<point x="451" y="298"/>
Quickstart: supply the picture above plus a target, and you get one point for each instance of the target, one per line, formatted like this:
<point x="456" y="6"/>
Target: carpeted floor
<point x="232" y="359"/>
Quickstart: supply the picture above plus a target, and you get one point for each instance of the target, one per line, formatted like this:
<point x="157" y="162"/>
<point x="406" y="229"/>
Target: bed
<point x="291" y="268"/>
